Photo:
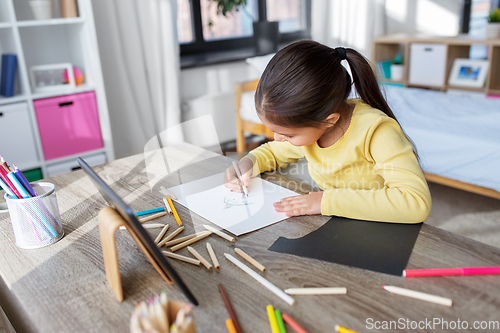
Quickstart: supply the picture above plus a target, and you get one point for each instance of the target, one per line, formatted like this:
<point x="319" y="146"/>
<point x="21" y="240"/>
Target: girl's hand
<point x="231" y="179"/>
<point x="309" y="204"/>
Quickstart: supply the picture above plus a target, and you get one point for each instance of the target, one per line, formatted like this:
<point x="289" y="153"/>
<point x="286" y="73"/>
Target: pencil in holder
<point x="36" y="221"/>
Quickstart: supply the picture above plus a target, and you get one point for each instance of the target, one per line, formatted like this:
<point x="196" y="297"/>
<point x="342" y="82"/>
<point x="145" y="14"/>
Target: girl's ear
<point x="332" y="119"/>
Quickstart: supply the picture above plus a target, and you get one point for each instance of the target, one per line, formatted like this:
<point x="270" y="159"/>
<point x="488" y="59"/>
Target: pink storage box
<point x="68" y="124"/>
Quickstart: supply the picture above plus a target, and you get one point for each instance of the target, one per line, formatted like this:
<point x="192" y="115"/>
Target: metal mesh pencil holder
<point x="36" y="221"/>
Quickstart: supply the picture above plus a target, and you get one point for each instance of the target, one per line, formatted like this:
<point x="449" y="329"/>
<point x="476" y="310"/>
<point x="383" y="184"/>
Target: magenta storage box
<point x="68" y="124"/>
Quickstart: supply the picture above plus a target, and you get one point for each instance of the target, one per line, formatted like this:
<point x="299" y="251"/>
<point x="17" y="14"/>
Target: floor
<point x="467" y="214"/>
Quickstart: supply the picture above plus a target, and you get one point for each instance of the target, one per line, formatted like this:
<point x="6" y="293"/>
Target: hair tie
<point x="342" y="53"/>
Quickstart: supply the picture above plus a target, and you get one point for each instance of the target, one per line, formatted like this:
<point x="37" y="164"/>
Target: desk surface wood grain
<point x="63" y="287"/>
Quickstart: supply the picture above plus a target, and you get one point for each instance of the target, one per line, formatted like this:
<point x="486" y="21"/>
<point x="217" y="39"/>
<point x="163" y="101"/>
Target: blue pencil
<point x="151" y="211"/>
<point x="19" y="187"/>
<point x="24" y="181"/>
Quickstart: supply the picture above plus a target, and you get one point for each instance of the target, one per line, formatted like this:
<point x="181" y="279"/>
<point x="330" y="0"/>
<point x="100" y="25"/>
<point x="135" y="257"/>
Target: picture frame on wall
<point x="53" y="77"/>
<point x="468" y="73"/>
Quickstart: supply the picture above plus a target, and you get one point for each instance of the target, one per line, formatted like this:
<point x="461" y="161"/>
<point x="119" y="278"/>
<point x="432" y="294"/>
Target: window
<point x="201" y="30"/>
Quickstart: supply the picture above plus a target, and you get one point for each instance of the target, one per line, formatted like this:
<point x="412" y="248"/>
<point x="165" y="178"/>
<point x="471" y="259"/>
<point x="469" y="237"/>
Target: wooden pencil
<point x="316" y="291"/>
<point x="419" y="295"/>
<point x="250" y="259"/>
<point x="277" y="291"/>
<point x="162" y="232"/>
<point x="230" y="326"/>
<point x="341" y="329"/>
<point x="169" y="237"/>
<point x="182" y="258"/>
<point x="152" y="217"/>
<point x="180" y="240"/>
<point x="200" y="236"/>
<point x="174" y="211"/>
<point x="200" y="258"/>
<point x="167" y="206"/>
<point x="229" y="308"/>
<point x="148" y="226"/>
<point x="213" y="256"/>
<point x="219" y="233"/>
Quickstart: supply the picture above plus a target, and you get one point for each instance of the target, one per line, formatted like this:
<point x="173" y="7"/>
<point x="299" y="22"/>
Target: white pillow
<point x="259" y="63"/>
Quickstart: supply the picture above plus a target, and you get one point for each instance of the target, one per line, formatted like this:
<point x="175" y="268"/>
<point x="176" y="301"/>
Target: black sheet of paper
<point x="376" y="246"/>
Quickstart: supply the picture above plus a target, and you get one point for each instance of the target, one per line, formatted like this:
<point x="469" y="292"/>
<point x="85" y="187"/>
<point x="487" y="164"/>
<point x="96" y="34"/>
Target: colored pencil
<point x="174" y="211"/>
<point x="3" y="175"/>
<point x="418" y="295"/>
<point x="191" y="241"/>
<point x="180" y="240"/>
<point x="230" y="326"/>
<point x="4" y="164"/>
<point x="278" y="292"/>
<point x="341" y="329"/>
<point x="160" y="235"/>
<point x="219" y="233"/>
<point x="238" y="173"/>
<point x="296" y="327"/>
<point x="152" y="217"/>
<point x="19" y="187"/>
<point x="452" y="271"/>
<point x="200" y="258"/>
<point x="213" y="256"/>
<point x="169" y="237"/>
<point x="150" y="211"/>
<point x="250" y="259"/>
<point x="24" y="181"/>
<point x="182" y="258"/>
<point x="272" y="319"/>
<point x="229" y="308"/>
<point x="316" y="291"/>
<point x="279" y="319"/>
<point x="148" y="226"/>
<point x="167" y="206"/>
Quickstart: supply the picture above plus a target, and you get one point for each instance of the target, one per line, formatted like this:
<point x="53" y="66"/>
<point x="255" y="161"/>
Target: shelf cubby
<point x="493" y="83"/>
<point x="5" y="12"/>
<point x="53" y="44"/>
<point x="8" y="45"/>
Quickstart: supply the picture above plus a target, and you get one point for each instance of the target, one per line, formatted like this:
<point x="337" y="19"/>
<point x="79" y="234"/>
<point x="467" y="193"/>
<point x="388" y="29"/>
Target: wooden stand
<point x="109" y="222"/>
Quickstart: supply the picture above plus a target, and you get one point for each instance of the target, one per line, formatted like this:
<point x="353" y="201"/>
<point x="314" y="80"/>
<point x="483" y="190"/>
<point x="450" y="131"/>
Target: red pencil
<point x="7" y="181"/>
<point x="296" y="327"/>
<point x="452" y="271"/>
<point x="229" y="308"/>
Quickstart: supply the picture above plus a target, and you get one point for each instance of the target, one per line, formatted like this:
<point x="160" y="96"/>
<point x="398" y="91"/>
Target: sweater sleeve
<point x="273" y="155"/>
<point x="404" y="197"/>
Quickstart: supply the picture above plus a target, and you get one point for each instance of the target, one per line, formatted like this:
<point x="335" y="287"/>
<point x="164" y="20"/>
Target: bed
<point x="457" y="136"/>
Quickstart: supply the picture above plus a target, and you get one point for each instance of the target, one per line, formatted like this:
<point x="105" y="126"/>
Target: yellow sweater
<point x="371" y="173"/>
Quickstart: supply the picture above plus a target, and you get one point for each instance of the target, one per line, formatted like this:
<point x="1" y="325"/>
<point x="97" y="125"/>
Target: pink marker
<point x="452" y="271"/>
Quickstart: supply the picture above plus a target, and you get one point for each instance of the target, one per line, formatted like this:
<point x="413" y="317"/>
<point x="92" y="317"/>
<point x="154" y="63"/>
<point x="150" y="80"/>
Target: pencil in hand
<point x="238" y="172"/>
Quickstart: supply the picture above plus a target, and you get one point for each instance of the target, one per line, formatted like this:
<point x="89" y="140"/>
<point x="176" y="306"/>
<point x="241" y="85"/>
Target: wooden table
<point x="63" y="287"/>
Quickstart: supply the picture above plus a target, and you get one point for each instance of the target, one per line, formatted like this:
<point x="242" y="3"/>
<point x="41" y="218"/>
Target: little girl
<point x="356" y="151"/>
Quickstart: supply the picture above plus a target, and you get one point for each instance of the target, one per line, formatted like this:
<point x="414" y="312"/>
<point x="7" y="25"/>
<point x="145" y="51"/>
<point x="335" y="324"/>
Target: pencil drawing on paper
<point x="232" y="201"/>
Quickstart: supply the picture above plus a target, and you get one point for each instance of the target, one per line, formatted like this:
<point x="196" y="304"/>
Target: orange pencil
<point x="177" y="218"/>
<point x="230" y="326"/>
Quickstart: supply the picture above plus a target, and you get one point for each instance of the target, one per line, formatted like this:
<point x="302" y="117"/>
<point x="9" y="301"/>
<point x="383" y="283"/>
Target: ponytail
<point x="368" y="88"/>
<point x="366" y="83"/>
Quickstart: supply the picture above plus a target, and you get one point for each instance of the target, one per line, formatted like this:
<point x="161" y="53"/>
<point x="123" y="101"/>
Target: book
<point x="8" y="74"/>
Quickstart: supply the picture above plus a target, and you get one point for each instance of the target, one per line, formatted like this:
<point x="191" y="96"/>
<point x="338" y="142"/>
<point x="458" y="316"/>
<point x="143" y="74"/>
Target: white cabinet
<point x="16" y="131"/>
<point x="45" y="42"/>
<point x="427" y="64"/>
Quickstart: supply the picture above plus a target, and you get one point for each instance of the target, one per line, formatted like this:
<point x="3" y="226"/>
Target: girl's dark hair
<point x="305" y="82"/>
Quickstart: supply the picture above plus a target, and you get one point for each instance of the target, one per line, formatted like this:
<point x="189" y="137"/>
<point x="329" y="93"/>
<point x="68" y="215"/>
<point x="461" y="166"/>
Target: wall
<point x="209" y="90"/>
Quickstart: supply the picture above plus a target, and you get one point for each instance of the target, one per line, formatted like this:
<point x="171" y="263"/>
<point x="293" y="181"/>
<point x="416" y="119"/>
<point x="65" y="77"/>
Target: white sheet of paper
<point x="233" y="211"/>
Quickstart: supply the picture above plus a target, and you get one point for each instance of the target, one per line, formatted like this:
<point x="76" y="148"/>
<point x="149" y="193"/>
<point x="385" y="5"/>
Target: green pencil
<point x="281" y="324"/>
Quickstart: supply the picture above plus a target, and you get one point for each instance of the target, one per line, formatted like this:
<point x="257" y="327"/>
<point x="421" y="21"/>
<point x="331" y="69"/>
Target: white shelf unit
<point x="42" y="42"/>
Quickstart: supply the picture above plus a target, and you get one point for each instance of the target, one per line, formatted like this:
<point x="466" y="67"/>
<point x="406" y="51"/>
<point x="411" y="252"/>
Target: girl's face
<point x="297" y="136"/>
